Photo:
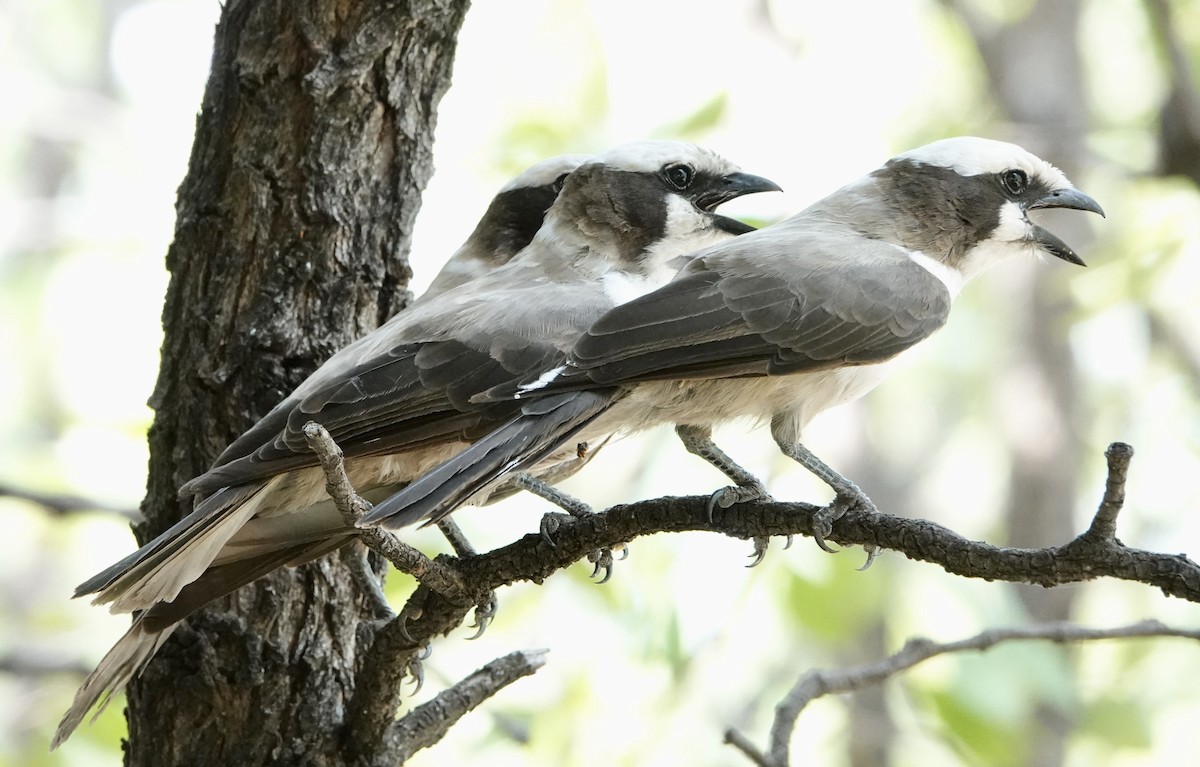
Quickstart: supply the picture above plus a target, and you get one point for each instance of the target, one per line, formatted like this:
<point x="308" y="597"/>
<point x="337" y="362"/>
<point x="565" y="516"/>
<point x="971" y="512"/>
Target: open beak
<point x="728" y="188"/>
<point x="1072" y="199"/>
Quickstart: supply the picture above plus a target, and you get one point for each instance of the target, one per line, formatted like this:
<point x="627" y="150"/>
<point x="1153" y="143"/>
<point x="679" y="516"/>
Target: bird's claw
<point x="603" y="560"/>
<point x="416" y="670"/>
<point x="552" y="522"/>
<point x="734" y="494"/>
<point x="485" y="611"/>
<point x="872" y="552"/>
<point x="760" y="550"/>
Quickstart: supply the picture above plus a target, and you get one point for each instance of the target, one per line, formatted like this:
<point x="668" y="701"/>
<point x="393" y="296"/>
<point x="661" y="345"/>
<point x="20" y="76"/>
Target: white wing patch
<point x="544" y="380"/>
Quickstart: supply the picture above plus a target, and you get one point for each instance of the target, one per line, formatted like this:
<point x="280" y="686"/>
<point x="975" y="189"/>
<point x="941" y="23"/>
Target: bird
<point x="777" y="325"/>
<point x="398" y="401"/>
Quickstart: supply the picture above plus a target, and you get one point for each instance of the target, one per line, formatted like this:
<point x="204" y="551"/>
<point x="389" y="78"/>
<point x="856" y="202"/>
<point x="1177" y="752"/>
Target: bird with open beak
<point x="777" y="325"/>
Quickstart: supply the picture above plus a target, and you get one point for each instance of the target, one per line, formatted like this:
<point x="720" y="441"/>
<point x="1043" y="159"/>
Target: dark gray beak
<point x="1072" y="199"/>
<point x="728" y="188"/>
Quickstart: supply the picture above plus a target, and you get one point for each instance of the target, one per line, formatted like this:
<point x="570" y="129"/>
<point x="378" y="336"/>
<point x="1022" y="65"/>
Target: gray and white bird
<point x="398" y="401"/>
<point x="777" y="325"/>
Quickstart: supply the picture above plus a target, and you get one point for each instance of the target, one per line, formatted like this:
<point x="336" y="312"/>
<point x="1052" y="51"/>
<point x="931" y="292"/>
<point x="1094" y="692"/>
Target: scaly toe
<point x="734" y="494"/>
<point x="549" y="525"/>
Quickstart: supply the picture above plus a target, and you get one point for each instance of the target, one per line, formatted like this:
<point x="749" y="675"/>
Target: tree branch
<point x="1087" y="557"/>
<point x="820" y="682"/>
<point x="429" y="613"/>
<point x="428" y="723"/>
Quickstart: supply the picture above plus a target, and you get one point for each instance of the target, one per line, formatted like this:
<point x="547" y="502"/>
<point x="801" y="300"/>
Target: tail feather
<point x="221" y="580"/>
<point x="125" y="660"/>
<point x="543" y="426"/>
<point x="160" y="569"/>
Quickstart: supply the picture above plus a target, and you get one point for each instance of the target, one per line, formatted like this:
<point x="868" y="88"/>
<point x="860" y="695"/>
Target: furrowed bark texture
<point x="312" y="148"/>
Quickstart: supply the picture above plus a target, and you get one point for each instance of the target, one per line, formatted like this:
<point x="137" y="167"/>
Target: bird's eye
<point x="1014" y="181"/>
<point x="558" y="183"/>
<point x="679" y="175"/>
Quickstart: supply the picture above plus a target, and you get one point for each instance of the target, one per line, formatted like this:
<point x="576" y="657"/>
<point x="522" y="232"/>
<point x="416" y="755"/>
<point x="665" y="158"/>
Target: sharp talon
<point x="481" y="626"/>
<point x="484" y="612"/>
<point x="425" y="653"/>
<point x="823" y="526"/>
<point x="417" y="672"/>
<point x="820" y="539"/>
<point x="712" y="504"/>
<point x="872" y="552"/>
<point x="787" y="543"/>
<point x="403" y="618"/>
<point x="624" y="553"/>
<point x="608" y="571"/>
<point x="760" y="551"/>
<point x="604" y="561"/>
<point x="825" y="546"/>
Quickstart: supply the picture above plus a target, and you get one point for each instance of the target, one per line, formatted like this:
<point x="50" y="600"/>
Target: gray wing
<point x="727" y="317"/>
<point x="415" y="389"/>
<point x="414" y="395"/>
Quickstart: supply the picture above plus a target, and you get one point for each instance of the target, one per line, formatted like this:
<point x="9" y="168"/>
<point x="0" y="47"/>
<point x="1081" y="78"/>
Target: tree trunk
<point x="312" y="148"/>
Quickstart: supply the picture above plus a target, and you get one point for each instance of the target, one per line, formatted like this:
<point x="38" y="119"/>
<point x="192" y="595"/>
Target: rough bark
<point x="312" y="148"/>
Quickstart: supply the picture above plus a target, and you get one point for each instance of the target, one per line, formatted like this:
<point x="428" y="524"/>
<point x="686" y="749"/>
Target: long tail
<point x="125" y="660"/>
<point x="543" y="426"/>
<point x="159" y="570"/>
<point x="134" y="650"/>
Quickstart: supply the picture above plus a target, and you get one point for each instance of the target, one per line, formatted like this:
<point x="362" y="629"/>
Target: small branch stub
<point x="352" y="506"/>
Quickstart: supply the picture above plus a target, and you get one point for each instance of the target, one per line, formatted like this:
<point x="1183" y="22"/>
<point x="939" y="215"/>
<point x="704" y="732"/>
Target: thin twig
<point x="62" y="504"/>
<point x="1104" y="524"/>
<point x="351" y="505"/>
<point x="742" y="743"/>
<point x="34" y="665"/>
<point x="820" y="682"/>
<point x="428" y="723"/>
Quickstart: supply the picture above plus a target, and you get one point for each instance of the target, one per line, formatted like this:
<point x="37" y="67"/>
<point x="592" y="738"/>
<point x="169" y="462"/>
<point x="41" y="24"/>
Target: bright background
<point x="996" y="430"/>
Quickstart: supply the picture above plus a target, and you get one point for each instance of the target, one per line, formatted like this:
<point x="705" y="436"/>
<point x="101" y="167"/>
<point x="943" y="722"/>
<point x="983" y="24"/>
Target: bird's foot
<point x="848" y="497"/>
<point x="601" y="558"/>
<point x="734" y="494"/>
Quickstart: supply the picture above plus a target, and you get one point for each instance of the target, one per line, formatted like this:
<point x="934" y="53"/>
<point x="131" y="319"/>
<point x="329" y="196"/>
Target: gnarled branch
<point x="820" y="682"/>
